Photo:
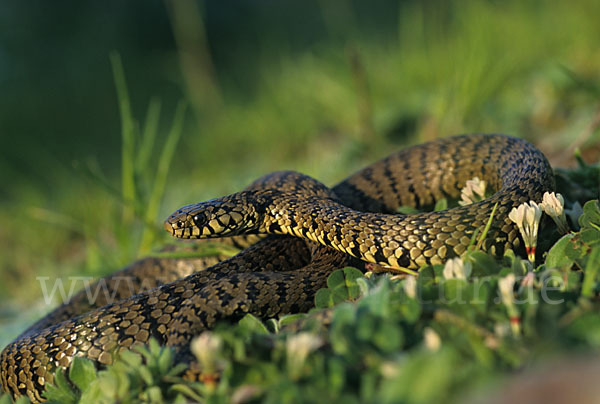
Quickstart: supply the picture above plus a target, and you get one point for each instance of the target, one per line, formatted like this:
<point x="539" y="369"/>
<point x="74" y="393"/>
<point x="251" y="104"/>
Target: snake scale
<point x="172" y="300"/>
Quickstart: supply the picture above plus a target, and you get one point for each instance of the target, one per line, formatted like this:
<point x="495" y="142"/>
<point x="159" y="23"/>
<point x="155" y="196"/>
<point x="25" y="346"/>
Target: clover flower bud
<point x="527" y="218"/>
<point x="554" y="206"/>
<point x="297" y="349"/>
<point x="432" y="340"/>
<point x="506" y="286"/>
<point x="410" y="286"/>
<point x="206" y="348"/>
<point x="456" y="268"/>
<point x="474" y="191"/>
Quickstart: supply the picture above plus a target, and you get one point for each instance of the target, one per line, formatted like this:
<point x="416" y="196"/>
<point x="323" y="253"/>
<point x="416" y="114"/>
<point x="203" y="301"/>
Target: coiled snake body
<point x="281" y="274"/>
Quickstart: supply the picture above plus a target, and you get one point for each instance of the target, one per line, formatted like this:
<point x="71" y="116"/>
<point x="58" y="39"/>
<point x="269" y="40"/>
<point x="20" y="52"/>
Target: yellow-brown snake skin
<point x="281" y="274"/>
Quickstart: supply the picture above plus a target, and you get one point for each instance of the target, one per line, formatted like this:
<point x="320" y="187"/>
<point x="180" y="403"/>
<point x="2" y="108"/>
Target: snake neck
<point x="394" y="241"/>
<point x="299" y="206"/>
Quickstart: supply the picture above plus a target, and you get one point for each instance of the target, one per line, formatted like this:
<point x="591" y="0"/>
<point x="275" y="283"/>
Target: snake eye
<point x="179" y="224"/>
<point x="199" y="219"/>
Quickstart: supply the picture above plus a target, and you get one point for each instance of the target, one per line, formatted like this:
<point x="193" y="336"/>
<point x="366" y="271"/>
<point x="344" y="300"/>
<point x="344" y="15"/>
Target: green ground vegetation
<point x="344" y="94"/>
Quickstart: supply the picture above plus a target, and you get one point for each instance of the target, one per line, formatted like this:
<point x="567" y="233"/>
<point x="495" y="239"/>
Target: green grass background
<point x="113" y="114"/>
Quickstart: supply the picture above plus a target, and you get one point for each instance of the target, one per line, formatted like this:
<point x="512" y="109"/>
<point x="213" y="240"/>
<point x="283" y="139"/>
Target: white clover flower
<point x="432" y="340"/>
<point x="501" y="330"/>
<point x="554" y="206"/>
<point x="506" y="286"/>
<point x="297" y="349"/>
<point x="389" y="369"/>
<point x="206" y="348"/>
<point x="410" y="286"/>
<point x="574" y="213"/>
<point x="457" y="268"/>
<point x="474" y="191"/>
<point x="527" y="218"/>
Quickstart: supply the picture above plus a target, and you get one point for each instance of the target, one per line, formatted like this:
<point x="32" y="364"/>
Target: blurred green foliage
<point x="323" y="87"/>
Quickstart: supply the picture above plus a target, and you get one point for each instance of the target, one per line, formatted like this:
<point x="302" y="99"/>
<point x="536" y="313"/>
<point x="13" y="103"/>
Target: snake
<point x="296" y="231"/>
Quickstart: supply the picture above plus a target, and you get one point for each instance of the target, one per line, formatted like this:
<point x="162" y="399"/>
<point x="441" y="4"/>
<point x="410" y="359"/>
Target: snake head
<point x="219" y="217"/>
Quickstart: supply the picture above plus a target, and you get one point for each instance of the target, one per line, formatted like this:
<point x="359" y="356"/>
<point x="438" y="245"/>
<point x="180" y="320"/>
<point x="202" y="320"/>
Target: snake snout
<point x="168" y="227"/>
<point x="195" y="221"/>
<point x="180" y="224"/>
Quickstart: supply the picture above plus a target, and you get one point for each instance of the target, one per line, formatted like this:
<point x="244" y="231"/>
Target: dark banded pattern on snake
<point x="516" y="169"/>
<point x="280" y="274"/>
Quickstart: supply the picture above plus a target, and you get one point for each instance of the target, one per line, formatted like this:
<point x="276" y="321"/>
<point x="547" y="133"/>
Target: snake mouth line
<point x="169" y="228"/>
<point x="185" y="227"/>
<point x="181" y="229"/>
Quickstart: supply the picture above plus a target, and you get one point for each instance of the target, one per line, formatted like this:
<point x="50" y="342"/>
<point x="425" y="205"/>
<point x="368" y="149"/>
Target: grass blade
<point x="127" y="136"/>
<point x="148" y="135"/>
<point x="162" y="171"/>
